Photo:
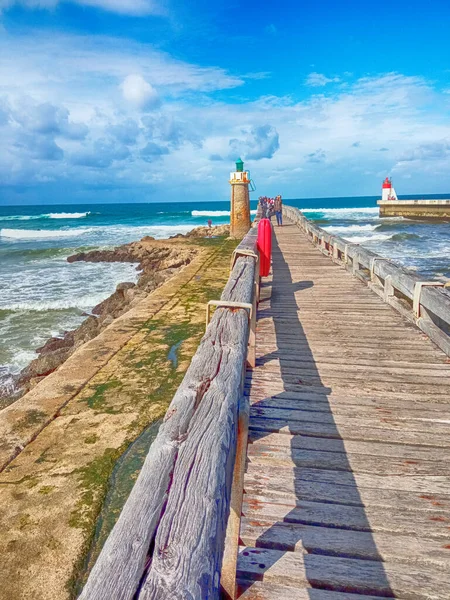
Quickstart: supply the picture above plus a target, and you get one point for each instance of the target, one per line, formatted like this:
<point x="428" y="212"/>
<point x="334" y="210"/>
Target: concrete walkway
<point x="347" y="491"/>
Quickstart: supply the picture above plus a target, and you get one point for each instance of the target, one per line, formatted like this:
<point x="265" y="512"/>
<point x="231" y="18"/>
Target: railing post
<point x="355" y="264"/>
<point x="251" y="355"/>
<point x="388" y="290"/>
<point x="230" y="556"/>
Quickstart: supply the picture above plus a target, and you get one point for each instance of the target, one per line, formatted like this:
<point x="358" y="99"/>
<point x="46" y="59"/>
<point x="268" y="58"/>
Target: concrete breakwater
<point x="416" y="209"/>
<point x="61" y="440"/>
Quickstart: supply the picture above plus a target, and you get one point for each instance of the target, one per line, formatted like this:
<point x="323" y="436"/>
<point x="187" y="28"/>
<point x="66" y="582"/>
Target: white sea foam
<point x="20" y="217"/>
<point x="45" y="216"/>
<point x="350" y="228"/>
<point x="66" y="215"/>
<point x="19" y="234"/>
<point x="348" y="213"/>
<point x="361" y="239"/>
<point x="214" y="213"/>
<point x="67" y="303"/>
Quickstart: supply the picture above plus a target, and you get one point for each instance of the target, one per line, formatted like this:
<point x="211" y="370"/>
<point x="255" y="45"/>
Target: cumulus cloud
<point x="126" y="132"/>
<point x="124" y="7"/>
<point x="317" y="156"/>
<point x="172" y="131"/>
<point x="139" y="93"/>
<point x="260" y="142"/>
<point x="47" y="119"/>
<point x="100" y="155"/>
<point x="320" y="80"/>
<point x="425" y="152"/>
<point x="153" y="151"/>
<point x="39" y="147"/>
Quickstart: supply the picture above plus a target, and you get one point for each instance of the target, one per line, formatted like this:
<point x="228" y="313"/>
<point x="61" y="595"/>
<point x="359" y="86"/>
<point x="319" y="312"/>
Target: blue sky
<point x="152" y="100"/>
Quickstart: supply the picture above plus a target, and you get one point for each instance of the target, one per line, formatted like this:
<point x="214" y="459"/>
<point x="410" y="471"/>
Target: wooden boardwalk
<point x="347" y="489"/>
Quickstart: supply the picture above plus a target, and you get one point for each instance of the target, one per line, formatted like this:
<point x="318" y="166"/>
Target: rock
<point x="123" y="287"/>
<point x="43" y="365"/>
<point x="203" y="231"/>
<point x="55" y="343"/>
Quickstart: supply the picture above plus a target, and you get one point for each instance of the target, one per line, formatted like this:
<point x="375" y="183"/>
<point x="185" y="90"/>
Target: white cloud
<point x="319" y="80"/>
<point x="125" y="7"/>
<point x="139" y="92"/>
<point x="76" y="118"/>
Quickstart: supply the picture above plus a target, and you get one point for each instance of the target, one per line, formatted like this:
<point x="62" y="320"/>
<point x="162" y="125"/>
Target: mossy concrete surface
<point x="52" y="492"/>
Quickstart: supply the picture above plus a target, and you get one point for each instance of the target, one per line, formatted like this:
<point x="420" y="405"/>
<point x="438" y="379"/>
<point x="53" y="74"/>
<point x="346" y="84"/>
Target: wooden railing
<point x="171" y="536"/>
<point x="426" y="303"/>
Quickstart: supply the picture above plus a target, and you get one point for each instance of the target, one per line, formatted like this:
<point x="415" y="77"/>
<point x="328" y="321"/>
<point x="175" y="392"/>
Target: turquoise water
<point x="43" y="295"/>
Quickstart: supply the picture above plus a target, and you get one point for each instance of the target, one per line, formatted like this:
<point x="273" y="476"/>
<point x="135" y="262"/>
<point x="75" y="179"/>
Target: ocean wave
<point x="348" y="213"/>
<point x="215" y="213"/>
<point x="45" y="216"/>
<point x="66" y="215"/>
<point x="401" y="237"/>
<point x="350" y="228"/>
<point x="86" y="302"/>
<point x="26" y="234"/>
<point x="362" y="239"/>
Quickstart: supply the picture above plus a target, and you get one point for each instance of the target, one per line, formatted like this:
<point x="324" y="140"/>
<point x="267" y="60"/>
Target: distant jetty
<point x="391" y="206"/>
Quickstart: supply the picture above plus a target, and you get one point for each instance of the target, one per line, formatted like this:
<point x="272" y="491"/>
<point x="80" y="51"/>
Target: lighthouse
<point x="388" y="191"/>
<point x="240" y="201"/>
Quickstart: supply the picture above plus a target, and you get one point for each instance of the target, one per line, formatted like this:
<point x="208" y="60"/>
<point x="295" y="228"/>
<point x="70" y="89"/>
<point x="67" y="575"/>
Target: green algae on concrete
<point x="121" y="481"/>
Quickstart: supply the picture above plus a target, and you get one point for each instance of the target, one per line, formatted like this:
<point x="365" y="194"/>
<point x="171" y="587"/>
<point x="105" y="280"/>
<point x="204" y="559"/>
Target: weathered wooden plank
<point x="380" y="419"/>
<point x="295" y="383"/>
<point x="341" y="461"/>
<point x="190" y="538"/>
<point x="256" y="590"/>
<point x="288" y="363"/>
<point x="346" y="447"/>
<point x="388" y="399"/>
<point x="392" y="520"/>
<point x="417" y="550"/>
<point x="356" y="432"/>
<point x="342" y="574"/>
<point x="421" y="411"/>
<point x="430" y="484"/>
<point x="214" y="375"/>
<point x="289" y="491"/>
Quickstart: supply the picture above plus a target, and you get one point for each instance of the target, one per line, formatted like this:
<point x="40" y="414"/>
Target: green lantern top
<point x="239" y="165"/>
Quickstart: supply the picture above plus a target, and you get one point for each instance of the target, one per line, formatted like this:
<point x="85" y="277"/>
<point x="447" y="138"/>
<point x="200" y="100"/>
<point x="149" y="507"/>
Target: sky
<point x="154" y="100"/>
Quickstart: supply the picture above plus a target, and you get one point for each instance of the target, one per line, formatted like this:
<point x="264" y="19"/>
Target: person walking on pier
<point x="279" y="210"/>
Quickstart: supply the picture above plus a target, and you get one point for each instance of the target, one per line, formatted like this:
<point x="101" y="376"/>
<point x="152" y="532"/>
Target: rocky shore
<point x="156" y="261"/>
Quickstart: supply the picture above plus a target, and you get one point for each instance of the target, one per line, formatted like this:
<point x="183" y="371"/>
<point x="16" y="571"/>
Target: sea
<point x="42" y="295"/>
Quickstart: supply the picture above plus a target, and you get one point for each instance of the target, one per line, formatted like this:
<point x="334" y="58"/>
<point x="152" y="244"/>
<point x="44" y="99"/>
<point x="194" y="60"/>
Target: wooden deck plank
<point x="343" y="574"/>
<point x="347" y="489"/>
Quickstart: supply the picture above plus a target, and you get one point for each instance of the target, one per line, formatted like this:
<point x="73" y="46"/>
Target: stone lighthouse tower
<point x="240" y="201"/>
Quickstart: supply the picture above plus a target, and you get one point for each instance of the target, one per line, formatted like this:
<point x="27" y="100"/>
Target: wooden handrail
<point x="169" y="539"/>
<point x="397" y="285"/>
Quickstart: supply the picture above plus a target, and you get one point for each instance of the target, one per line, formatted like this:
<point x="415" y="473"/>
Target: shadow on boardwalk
<point x="315" y="497"/>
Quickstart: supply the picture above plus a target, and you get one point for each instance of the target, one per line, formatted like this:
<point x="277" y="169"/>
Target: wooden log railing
<point x="169" y="540"/>
<point x="426" y="303"/>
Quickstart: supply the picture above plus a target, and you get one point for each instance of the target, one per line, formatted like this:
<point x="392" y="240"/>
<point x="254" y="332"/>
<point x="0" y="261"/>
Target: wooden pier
<point x="348" y="478"/>
<point x="343" y="491"/>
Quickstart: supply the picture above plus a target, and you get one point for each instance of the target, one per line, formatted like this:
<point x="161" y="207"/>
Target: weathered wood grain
<point x="343" y="574"/>
<point x="351" y="518"/>
<point x="418" y="550"/>
<point x="255" y="590"/>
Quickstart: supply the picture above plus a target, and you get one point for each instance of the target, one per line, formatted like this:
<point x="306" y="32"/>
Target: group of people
<point x="272" y="206"/>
